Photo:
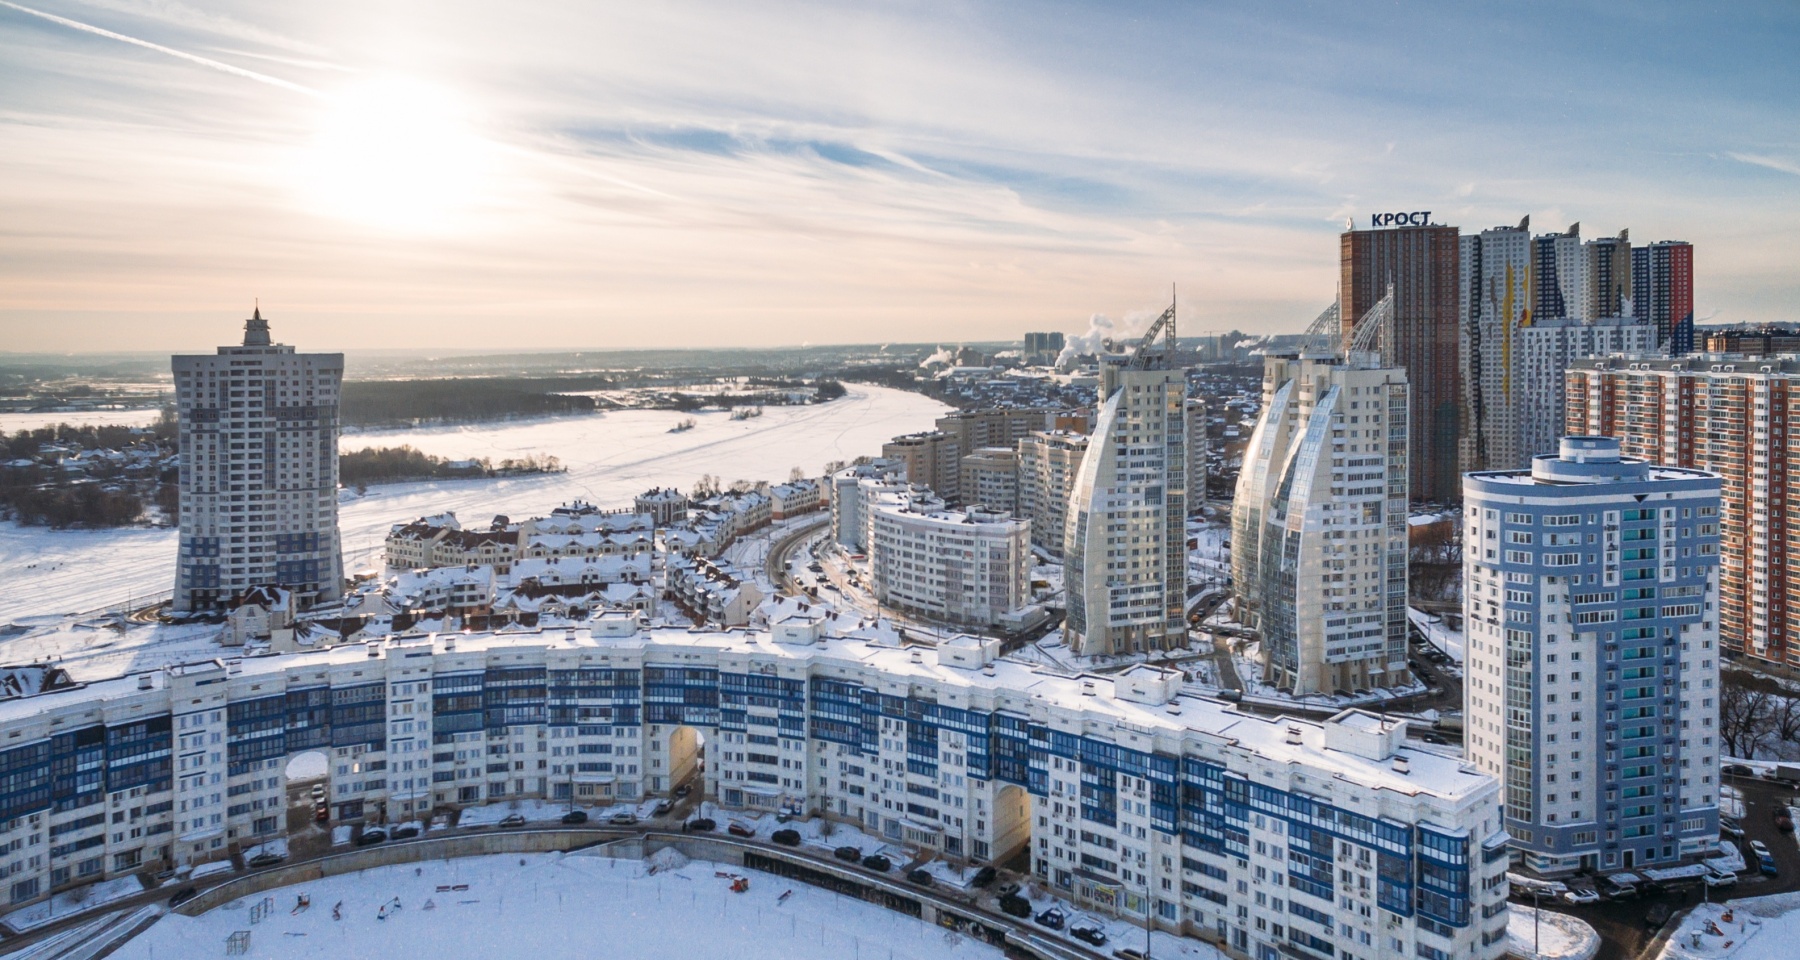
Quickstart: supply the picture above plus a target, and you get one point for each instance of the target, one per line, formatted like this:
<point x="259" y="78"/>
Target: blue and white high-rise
<point x="1591" y="607"/>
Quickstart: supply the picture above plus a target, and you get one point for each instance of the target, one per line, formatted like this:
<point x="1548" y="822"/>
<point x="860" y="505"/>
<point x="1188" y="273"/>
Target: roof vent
<point x="1087" y="688"/>
<point x="918" y="657"/>
<point x="988" y="670"/>
<point x="1401" y="765"/>
<point x="1293" y="735"/>
<point x="144" y="682"/>
<point x="449" y="644"/>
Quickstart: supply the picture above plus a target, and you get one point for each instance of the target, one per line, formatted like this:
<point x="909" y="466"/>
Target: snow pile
<point x="668" y="858"/>
<point x="506" y="907"/>
<point x="1557" y="936"/>
<point x="1730" y="858"/>
<point x="70" y="901"/>
<point x="1759" y="928"/>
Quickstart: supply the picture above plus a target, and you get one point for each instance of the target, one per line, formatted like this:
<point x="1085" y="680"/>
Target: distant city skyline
<point x="772" y="174"/>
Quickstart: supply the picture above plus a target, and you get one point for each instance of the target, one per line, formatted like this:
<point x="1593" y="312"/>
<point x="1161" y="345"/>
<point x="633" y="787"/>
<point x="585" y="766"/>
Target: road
<point x="1620" y="923"/>
<point x="776" y="562"/>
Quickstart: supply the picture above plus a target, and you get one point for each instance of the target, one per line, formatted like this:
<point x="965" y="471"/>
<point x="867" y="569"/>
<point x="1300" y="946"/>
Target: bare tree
<point x="1744" y="715"/>
<point x="796" y="475"/>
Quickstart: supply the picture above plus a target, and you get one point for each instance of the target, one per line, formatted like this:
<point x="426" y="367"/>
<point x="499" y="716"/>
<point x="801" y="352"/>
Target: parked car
<point x="877" y="863"/>
<point x="624" y="818"/>
<point x="1765" y="861"/>
<point x="182" y="896"/>
<point x="513" y="820"/>
<point x="1731" y="828"/>
<point x="1015" y="906"/>
<point x="662" y="808"/>
<point x="1616" y="889"/>
<point x="369" y="838"/>
<point x="699" y="825"/>
<point x="1007" y="889"/>
<point x="403" y="833"/>
<point x="1088" y="934"/>
<point x="1738" y="770"/>
<point x="264" y="860"/>
<point x="1719" y="878"/>
<point x="1581" y="895"/>
<point x="848" y="854"/>
<point x="1658" y="915"/>
<point x="984" y="876"/>
<point x="787" y="838"/>
<point x="682" y="791"/>
<point x="1784" y="822"/>
<point x="1052" y="918"/>
<point x="737" y="829"/>
<point x="321" y="813"/>
<point x="921" y="876"/>
<point x="575" y="817"/>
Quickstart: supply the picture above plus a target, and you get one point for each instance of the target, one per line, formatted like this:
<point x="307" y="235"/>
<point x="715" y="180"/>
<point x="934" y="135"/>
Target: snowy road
<point x="610" y="458"/>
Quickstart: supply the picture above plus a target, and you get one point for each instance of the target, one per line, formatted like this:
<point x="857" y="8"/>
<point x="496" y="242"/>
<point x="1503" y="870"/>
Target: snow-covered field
<point x="609" y="458"/>
<point x="1555" y="936"/>
<point x="1759" y="928"/>
<point x="14" y="422"/>
<point x="553" y="906"/>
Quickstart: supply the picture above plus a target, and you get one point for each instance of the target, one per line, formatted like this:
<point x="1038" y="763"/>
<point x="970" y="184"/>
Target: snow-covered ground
<point x="557" y="905"/>
<point x="1441" y="636"/>
<point x="1555" y="936"/>
<point x="71" y="901"/>
<point x="14" y="422"/>
<point x="610" y="459"/>
<point x="543" y="811"/>
<point x="1759" y="928"/>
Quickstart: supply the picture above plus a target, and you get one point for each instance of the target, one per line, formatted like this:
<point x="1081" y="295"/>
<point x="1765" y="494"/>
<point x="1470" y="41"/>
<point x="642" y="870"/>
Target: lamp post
<point x="1536" y="913"/>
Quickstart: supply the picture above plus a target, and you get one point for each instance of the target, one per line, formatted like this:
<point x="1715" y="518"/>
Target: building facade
<point x="1319" y="524"/>
<point x="1662" y="292"/>
<point x="932" y="458"/>
<point x="1049" y="461"/>
<point x="990" y="477"/>
<point x="992" y="426"/>
<point x="1727" y="416"/>
<point x="1497" y="295"/>
<point x="1125" y="535"/>
<point x="1131" y="800"/>
<point x="1542" y="353"/>
<point x="965" y="566"/>
<point x="848" y="524"/>
<point x="259" y="472"/>
<point x="1194" y="410"/>
<point x="1424" y="338"/>
<point x="1593" y="662"/>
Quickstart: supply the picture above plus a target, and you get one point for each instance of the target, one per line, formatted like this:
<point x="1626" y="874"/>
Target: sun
<point x="395" y="153"/>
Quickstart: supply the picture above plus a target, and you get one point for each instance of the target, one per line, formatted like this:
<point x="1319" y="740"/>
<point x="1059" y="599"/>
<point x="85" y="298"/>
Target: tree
<point x="796" y="475"/>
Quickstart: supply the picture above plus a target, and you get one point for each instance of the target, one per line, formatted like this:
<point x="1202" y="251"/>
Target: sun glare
<point x="395" y="153"/>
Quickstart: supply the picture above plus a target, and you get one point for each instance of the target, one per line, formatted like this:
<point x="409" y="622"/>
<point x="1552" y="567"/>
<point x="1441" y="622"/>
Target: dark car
<point x="787" y="838"/>
<point x="878" y="863"/>
<point x="851" y="854"/>
<point x="1738" y="770"/>
<point x="404" y="833"/>
<point x="984" y="876"/>
<point x="1052" y="918"/>
<point x="921" y="876"/>
<point x="699" y="825"/>
<point x="574" y="817"/>
<point x="1015" y="906"/>
<point x="182" y="896"/>
<point x="1091" y="935"/>
<point x="369" y="838"/>
<point x="1658" y="915"/>
<point x="321" y="813"/>
<point x="739" y="830"/>
<point x="682" y="791"/>
<point x="264" y="860"/>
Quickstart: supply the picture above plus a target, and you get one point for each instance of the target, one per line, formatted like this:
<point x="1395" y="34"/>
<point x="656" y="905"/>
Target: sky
<point x="463" y="174"/>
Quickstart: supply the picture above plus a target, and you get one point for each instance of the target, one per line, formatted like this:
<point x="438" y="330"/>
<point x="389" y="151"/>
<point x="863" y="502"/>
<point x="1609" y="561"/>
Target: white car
<point x="1580" y="895"/>
<point x="1715" y="878"/>
<point x="1761" y="850"/>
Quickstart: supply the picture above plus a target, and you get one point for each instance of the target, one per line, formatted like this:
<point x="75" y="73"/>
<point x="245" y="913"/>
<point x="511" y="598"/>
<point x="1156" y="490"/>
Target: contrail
<point x="159" y="48"/>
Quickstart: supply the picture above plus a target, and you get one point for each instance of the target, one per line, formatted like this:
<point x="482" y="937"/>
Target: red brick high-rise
<point x="1422" y="263"/>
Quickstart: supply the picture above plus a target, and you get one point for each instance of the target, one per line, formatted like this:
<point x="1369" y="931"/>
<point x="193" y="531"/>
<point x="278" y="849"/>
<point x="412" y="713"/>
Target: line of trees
<point x="382" y="402"/>
<point x="1759" y="719"/>
<point x="393" y="464"/>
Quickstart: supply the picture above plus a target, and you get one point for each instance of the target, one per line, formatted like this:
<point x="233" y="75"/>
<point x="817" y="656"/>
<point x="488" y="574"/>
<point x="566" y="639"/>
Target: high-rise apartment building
<point x="1042" y="347"/>
<point x="1541" y="355"/>
<point x="990" y="477"/>
<point x="932" y="458"/>
<point x="1194" y="412"/>
<point x="1606" y="277"/>
<point x="259" y="472"/>
<point x="1319" y="523"/>
<point x="1049" y="461"/>
<point x="992" y="426"/>
<point x="1729" y="416"/>
<point x="1496" y="300"/>
<point x="1423" y="339"/>
<point x="1593" y="660"/>
<point x="1125" y="546"/>
<point x="1662" y="292"/>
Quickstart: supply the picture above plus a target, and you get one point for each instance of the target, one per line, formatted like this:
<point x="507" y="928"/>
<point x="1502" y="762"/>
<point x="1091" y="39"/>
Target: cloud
<point x="1773" y="163"/>
<point x="159" y="48"/>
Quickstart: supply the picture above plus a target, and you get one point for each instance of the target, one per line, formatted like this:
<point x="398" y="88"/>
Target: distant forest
<point x="371" y="403"/>
<point x="393" y="464"/>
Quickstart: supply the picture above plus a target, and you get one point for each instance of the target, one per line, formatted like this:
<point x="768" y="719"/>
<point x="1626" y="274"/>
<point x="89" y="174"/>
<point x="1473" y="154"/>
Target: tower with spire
<point x="259" y="472"/>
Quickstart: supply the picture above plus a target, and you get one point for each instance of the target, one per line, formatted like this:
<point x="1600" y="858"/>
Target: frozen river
<point x="610" y="458"/>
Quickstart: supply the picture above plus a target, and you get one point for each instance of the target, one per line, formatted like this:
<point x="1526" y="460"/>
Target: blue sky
<point x="625" y="174"/>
